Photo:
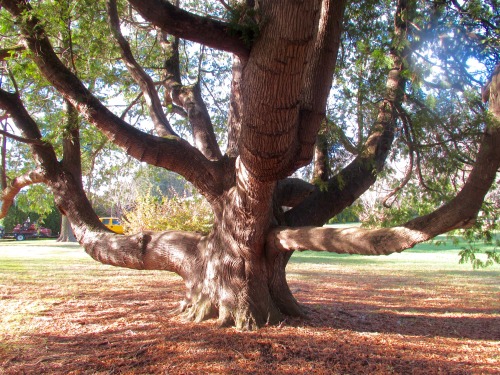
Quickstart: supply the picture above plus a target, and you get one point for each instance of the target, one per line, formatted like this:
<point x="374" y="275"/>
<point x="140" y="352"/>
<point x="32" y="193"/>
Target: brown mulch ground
<point x="359" y="322"/>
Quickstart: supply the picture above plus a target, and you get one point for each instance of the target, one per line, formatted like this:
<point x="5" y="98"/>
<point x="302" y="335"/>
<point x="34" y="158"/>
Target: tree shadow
<point x="415" y="321"/>
<point x="130" y="332"/>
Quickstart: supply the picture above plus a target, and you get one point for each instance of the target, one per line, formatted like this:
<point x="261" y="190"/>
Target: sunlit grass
<point x="53" y="294"/>
<point x="442" y="253"/>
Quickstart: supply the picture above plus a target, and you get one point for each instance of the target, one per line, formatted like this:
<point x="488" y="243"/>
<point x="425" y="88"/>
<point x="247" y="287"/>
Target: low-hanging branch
<point x="171" y="153"/>
<point x="460" y="212"/>
<point x="8" y="195"/>
<point x="173" y="251"/>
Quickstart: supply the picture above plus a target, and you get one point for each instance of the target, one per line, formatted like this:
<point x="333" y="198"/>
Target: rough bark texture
<point x="3" y="158"/>
<point x="66" y="234"/>
<point x="279" y="91"/>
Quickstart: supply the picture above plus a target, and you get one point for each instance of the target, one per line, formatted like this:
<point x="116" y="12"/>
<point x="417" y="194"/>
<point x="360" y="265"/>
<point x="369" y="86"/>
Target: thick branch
<point x="43" y="151"/>
<point x="350" y="183"/>
<point x="72" y="160"/>
<point x="190" y="99"/>
<point x="172" y="153"/>
<point x="382" y="241"/>
<point x="288" y="74"/>
<point x="160" y="121"/>
<point x="170" y="251"/>
<point x="318" y="76"/>
<point x="8" y="194"/>
<point x="460" y="212"/>
<point x="203" y="30"/>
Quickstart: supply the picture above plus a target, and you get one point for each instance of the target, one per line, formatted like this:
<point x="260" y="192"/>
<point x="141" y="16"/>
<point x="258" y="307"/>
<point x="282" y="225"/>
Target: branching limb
<point x="350" y="183"/>
<point x="173" y="251"/>
<point x="460" y="212"/>
<point x="323" y="57"/>
<point x="8" y="194"/>
<point x="203" y="30"/>
<point x="189" y="98"/>
<point x="144" y="81"/>
<point x="171" y="152"/>
<point x="44" y="153"/>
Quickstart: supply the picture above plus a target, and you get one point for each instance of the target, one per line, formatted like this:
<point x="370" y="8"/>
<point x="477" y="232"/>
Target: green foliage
<point x="468" y="255"/>
<point x="349" y="215"/>
<point x="18" y="215"/>
<point x="243" y="22"/>
<point x="482" y="234"/>
<point x="176" y="213"/>
<point x="37" y="198"/>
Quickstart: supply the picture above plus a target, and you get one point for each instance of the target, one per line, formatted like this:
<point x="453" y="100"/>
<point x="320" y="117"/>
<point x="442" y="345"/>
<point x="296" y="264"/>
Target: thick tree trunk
<point x="280" y="87"/>
<point x="241" y="291"/>
<point x="230" y="278"/>
<point x="66" y="234"/>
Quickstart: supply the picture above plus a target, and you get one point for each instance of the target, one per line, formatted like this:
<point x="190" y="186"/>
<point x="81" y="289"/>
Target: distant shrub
<point x="178" y="213"/>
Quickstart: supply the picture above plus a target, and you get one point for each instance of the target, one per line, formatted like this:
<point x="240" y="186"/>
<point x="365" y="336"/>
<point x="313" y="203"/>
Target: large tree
<point x="284" y="58"/>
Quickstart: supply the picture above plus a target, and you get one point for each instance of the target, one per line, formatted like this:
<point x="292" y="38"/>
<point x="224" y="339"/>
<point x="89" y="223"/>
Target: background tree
<point x="383" y="80"/>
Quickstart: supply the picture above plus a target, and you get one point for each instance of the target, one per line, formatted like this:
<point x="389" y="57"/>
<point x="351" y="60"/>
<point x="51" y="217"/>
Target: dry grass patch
<point x="413" y="313"/>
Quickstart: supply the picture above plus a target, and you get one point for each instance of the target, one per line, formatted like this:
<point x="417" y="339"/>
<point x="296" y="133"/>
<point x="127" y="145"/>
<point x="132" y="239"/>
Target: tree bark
<point x="66" y="234"/>
<point x="3" y="157"/>
<point x="280" y="87"/>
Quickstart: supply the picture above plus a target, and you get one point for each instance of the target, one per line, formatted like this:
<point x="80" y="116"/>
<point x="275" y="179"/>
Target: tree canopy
<point x="282" y="114"/>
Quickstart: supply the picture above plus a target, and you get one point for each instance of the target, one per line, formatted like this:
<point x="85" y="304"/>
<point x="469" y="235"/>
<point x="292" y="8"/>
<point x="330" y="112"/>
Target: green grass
<point x="440" y="253"/>
<point x="35" y="263"/>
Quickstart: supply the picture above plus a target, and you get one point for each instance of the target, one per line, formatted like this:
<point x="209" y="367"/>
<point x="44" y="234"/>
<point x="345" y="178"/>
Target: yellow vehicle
<point x="113" y="224"/>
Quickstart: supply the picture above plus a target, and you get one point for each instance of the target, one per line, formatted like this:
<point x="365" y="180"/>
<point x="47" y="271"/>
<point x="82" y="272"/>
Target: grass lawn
<point x="418" y="312"/>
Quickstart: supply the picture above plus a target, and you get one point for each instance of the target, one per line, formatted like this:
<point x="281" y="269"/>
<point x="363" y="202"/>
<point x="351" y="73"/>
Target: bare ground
<point x="79" y="317"/>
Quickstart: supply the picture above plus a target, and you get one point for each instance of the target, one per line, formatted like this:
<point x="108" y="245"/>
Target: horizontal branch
<point x="382" y="241"/>
<point x="460" y="212"/>
<point x="7" y="196"/>
<point x="203" y="30"/>
<point x="169" y="251"/>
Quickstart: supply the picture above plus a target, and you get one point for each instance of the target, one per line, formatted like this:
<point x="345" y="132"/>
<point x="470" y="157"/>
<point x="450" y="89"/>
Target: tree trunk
<point x="280" y="87"/>
<point x="247" y="292"/>
<point x="3" y="167"/>
<point x="66" y="234"/>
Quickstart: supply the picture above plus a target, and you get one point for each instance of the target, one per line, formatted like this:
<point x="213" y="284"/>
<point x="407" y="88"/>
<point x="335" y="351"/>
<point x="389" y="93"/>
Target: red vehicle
<point x="27" y="230"/>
